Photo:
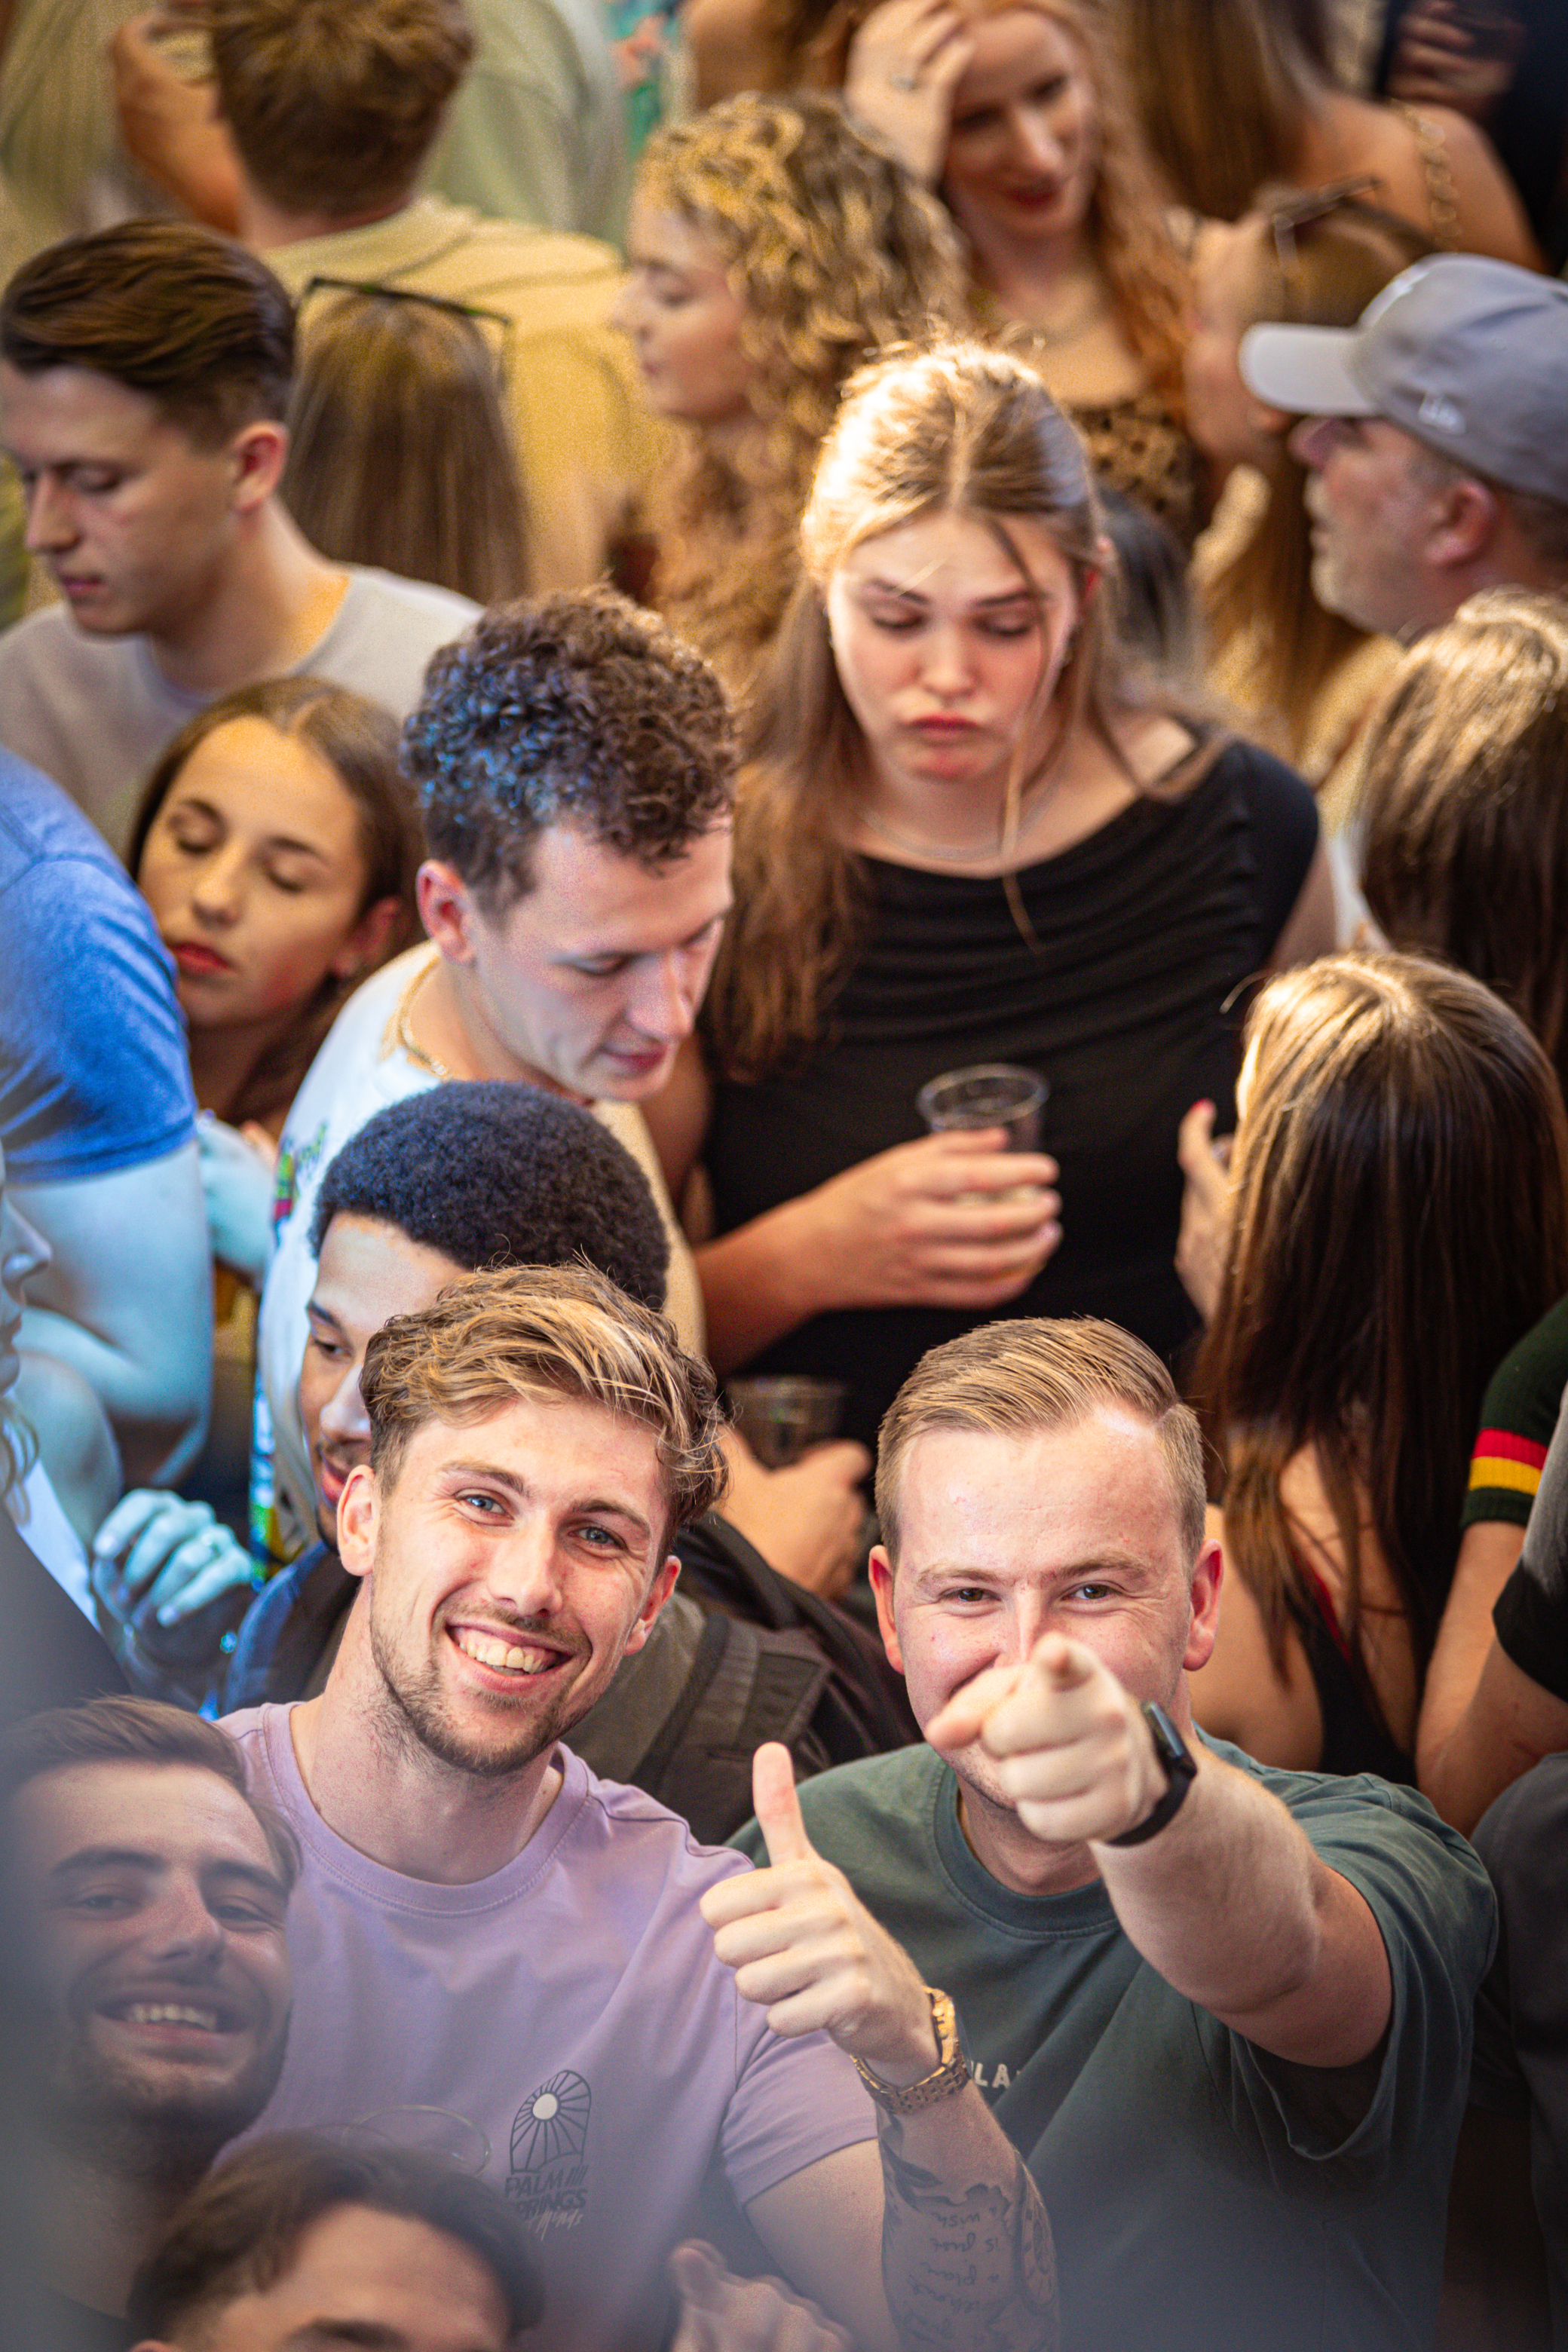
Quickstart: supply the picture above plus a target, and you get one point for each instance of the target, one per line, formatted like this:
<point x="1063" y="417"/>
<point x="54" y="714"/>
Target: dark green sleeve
<point x="1519" y="1413"/>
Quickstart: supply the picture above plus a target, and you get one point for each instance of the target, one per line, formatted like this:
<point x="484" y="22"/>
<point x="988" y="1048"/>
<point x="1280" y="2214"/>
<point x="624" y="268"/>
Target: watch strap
<point x="1180" y="1768"/>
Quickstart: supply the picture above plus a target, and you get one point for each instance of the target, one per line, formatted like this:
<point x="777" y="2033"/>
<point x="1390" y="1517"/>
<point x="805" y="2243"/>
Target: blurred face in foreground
<point x="361" y="2277"/>
<point x="153" y="1913"/>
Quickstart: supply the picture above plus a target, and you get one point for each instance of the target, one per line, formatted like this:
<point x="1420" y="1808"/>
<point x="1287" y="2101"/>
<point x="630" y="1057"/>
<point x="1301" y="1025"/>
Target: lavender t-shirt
<point x="568" y="2021"/>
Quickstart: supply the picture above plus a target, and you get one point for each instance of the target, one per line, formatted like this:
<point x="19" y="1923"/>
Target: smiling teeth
<point x="170" y="2012"/>
<point x="491" y="1651"/>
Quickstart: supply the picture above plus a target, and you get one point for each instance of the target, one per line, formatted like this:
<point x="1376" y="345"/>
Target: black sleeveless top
<point x="1128" y="1001"/>
<point x="1355" y="1736"/>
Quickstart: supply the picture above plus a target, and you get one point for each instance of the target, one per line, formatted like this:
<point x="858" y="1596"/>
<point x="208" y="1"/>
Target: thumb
<point x="778" y="1806"/>
<point x="1194" y="1138"/>
<point x="694" y="2269"/>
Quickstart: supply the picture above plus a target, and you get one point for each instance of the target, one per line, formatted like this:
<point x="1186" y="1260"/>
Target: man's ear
<point x="1468" y="514"/>
<point x="446" y="910"/>
<point x="658" y="1592"/>
<point x="257" y="455"/>
<point x="880" y="1570"/>
<point x="1204" y="1623"/>
<point x="357" y="1508"/>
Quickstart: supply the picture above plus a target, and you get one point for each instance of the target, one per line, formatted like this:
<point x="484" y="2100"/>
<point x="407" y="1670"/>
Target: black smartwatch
<point x="1181" y="1771"/>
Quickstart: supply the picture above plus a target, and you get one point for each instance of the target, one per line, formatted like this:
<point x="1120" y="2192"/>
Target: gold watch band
<point x="950" y="2074"/>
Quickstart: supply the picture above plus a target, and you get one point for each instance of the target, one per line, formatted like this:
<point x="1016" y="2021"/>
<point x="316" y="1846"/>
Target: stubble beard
<point x="418" y="1713"/>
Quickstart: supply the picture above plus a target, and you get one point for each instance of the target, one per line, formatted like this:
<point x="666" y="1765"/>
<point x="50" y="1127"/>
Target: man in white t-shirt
<point x="575" y="765"/>
<point x="144" y="373"/>
<point x="592" y="2011"/>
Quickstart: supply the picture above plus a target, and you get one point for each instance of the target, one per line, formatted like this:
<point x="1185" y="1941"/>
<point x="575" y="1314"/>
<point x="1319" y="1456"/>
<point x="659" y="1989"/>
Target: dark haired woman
<point x="1400" y="1220"/>
<point x="275" y="845"/>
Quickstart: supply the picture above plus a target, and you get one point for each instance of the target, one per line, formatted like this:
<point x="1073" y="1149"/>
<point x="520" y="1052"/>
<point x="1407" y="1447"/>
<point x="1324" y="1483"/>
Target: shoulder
<point x="859" y="1812"/>
<point x="44" y="642"/>
<point x="1526" y="1391"/>
<point x="1392" y="1847"/>
<point x="647" y="1856"/>
<point x="39" y="824"/>
<point x="387" y="592"/>
<point x="1275" y="795"/>
<point x="1523" y="1837"/>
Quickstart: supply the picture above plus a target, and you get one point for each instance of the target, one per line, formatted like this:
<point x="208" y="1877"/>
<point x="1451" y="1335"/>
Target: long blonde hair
<point x="832" y="251"/>
<point x="1125" y="227"/>
<point x="960" y="429"/>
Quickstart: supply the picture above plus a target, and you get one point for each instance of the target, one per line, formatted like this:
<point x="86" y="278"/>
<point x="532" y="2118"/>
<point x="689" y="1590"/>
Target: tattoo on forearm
<point x="972" y="2271"/>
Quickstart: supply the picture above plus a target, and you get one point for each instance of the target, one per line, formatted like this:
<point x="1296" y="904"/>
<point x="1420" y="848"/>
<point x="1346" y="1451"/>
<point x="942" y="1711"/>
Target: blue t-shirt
<point x="94" y="1072"/>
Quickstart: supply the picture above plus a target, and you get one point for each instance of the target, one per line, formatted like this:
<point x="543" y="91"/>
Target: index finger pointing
<point x="778" y="1806"/>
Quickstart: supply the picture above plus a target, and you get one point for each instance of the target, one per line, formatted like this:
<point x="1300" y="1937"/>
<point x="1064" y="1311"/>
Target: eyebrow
<point x="1108" y="1563"/>
<point x="194" y="801"/>
<point x="1019" y="595"/>
<point x="629" y="954"/>
<point x="371" y="2334"/>
<point x="520" y="1488"/>
<point x="129" y="1857"/>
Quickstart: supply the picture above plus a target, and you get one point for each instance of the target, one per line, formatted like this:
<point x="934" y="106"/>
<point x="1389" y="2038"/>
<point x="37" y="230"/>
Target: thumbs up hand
<point x="802" y="1945"/>
<point x="720" y="2312"/>
<point x="1071" y="1749"/>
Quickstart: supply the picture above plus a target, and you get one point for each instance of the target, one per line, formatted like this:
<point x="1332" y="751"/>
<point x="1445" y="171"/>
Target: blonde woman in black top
<point x="960" y="840"/>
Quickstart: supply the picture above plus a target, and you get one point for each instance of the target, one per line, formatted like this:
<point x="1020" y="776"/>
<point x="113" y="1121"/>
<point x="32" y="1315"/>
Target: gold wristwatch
<point x="949" y="2074"/>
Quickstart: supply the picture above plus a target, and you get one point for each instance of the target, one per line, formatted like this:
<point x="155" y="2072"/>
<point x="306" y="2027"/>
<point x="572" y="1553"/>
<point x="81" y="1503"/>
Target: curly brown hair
<point x="1126" y="231"/>
<point x="581" y="708"/>
<point x="832" y="250"/>
<point x="546" y="1331"/>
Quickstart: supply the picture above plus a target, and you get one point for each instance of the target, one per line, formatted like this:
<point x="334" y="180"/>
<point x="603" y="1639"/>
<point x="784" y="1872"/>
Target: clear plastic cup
<point x="781" y="1414"/>
<point x="988" y="1094"/>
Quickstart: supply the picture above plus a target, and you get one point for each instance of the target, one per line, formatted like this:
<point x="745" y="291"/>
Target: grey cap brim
<point x="1305" y="370"/>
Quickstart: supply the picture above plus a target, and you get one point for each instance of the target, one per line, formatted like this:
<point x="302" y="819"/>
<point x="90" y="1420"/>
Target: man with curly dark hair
<point x="575" y="765"/>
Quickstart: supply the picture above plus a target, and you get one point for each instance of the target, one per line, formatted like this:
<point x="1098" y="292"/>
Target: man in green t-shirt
<point x="1223" y="2011"/>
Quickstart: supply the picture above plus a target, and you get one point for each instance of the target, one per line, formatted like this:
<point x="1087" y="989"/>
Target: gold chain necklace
<point x="402" y="1030"/>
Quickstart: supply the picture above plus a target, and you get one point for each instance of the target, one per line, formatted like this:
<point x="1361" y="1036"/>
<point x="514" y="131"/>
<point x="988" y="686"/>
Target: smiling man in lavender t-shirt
<point x="496" y="1950"/>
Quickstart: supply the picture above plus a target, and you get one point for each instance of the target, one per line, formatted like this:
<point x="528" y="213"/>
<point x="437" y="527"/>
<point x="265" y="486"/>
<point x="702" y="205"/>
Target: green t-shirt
<point x="1204" y="2197"/>
<point x="1519" y="1413"/>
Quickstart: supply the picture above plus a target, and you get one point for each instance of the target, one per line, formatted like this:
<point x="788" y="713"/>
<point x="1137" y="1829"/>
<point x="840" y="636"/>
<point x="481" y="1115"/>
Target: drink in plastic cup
<point x="782" y="1414"/>
<point x="988" y="1094"/>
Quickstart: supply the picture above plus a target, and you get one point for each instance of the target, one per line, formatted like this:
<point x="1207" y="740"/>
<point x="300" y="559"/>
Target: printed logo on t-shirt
<point x="548" y="2182"/>
<point x="999" y="2078"/>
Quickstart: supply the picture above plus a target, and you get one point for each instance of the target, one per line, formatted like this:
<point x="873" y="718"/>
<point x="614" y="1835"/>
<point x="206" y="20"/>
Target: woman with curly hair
<point x="1016" y="112"/>
<point x="963" y="839"/>
<point x="1341" y="1379"/>
<point x="773" y="247"/>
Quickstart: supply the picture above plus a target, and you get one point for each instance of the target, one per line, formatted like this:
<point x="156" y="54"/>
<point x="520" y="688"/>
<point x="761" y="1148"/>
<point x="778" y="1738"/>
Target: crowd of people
<point x="783" y="1175"/>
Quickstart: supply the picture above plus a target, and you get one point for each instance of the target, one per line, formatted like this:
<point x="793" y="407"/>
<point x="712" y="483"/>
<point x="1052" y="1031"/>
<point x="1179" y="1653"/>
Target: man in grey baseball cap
<point x="1436" y="432"/>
